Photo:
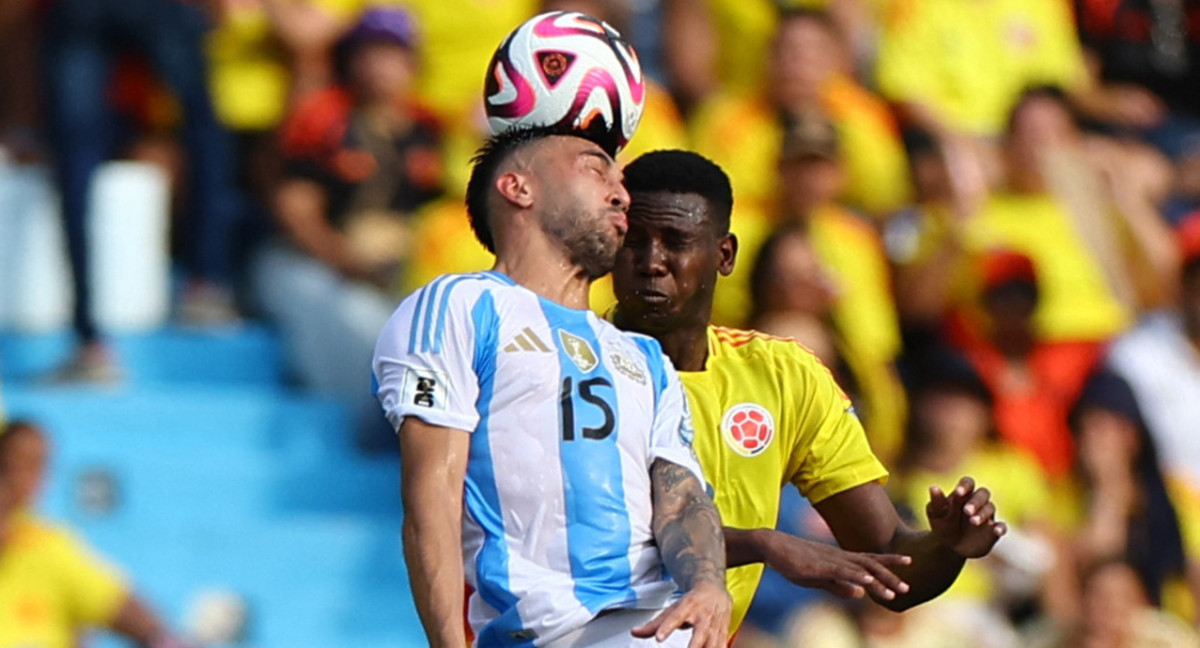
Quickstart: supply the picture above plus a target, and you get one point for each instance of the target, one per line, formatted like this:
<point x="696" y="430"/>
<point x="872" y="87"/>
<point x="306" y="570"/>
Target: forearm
<point x="743" y="547"/>
<point x="136" y="621"/>
<point x="687" y="528"/>
<point x="432" y="541"/>
<point x="933" y="570"/>
<point x="432" y="467"/>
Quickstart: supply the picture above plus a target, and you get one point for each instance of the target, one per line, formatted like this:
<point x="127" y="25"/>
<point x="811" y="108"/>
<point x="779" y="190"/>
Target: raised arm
<point x="687" y="528"/>
<point x="963" y="526"/>
<point x="433" y="465"/>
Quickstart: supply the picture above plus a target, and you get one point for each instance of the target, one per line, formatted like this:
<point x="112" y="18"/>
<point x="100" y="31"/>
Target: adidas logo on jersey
<point x="526" y="340"/>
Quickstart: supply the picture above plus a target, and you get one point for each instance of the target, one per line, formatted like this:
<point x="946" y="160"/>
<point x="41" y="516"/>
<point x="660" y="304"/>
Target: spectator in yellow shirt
<point x="810" y="71"/>
<point x="52" y="588"/>
<point x="1081" y="208"/>
<point x="958" y="66"/>
<point x="852" y="256"/>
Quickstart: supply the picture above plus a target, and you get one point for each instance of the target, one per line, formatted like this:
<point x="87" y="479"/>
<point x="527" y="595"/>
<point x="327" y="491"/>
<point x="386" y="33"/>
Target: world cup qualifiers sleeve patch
<point x="424" y="388"/>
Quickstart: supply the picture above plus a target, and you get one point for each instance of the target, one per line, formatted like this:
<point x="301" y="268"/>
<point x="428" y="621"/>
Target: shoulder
<point x="651" y="351"/>
<point x="1155" y="332"/>
<point x="448" y="297"/>
<point x="755" y="347"/>
<point x="756" y="356"/>
<point x="459" y="288"/>
<point x="52" y="540"/>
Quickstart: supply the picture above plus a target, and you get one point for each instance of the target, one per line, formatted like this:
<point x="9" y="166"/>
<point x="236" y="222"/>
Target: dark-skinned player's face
<point x="667" y="268"/>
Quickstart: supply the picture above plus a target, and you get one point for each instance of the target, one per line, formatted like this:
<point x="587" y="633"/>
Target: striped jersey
<point x="566" y="415"/>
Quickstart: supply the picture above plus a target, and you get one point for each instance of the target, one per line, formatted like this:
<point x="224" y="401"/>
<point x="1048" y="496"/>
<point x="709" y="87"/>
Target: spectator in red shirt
<point x="360" y="159"/>
<point x="1035" y="382"/>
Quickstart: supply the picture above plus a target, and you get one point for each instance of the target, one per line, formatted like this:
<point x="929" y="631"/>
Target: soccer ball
<point x="566" y="70"/>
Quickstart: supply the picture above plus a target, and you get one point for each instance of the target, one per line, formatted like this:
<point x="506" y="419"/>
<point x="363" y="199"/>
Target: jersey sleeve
<point x="425" y="359"/>
<point x="836" y="455"/>
<point x="672" y="432"/>
<point x="94" y="591"/>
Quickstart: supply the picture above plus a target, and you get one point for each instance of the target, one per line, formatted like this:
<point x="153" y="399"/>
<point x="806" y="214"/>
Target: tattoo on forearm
<point x="687" y="527"/>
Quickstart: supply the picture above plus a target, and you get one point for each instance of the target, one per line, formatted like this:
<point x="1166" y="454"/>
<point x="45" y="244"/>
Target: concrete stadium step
<point x="311" y="581"/>
<point x="245" y="354"/>
<point x="207" y="453"/>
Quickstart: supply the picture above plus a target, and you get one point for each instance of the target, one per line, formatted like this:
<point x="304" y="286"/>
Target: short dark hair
<point x="684" y="172"/>
<point x="487" y="162"/>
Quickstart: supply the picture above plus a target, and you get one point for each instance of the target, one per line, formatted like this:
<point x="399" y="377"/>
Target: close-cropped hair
<point x="485" y="168"/>
<point x="684" y="172"/>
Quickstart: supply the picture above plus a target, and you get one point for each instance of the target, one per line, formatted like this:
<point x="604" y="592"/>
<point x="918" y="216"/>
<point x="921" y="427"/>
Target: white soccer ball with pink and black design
<point x="566" y="70"/>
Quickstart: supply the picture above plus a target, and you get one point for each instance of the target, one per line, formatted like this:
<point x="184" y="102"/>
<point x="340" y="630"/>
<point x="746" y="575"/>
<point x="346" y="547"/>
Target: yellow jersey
<point x="1076" y="302"/>
<point x="936" y="52"/>
<point x="766" y="413"/>
<point x="743" y="134"/>
<point x="52" y="587"/>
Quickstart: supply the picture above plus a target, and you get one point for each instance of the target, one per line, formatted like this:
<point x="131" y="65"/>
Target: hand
<point x="1133" y="105"/>
<point x="706" y="608"/>
<point x="847" y="574"/>
<point x="964" y="521"/>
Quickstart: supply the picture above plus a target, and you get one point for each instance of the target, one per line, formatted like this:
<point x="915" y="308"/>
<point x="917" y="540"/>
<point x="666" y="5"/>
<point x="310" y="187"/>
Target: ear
<point x="515" y="187"/>
<point x="727" y="248"/>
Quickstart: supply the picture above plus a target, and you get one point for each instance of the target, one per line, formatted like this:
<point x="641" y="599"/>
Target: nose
<point x="620" y="197"/>
<point x="650" y="259"/>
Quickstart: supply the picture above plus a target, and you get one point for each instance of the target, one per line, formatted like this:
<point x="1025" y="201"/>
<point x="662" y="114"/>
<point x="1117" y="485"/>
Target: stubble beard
<point x="587" y="239"/>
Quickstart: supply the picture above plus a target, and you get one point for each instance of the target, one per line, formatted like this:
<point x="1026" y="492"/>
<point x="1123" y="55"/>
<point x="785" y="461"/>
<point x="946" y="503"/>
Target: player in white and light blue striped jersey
<point x="568" y="414"/>
<point x="577" y="472"/>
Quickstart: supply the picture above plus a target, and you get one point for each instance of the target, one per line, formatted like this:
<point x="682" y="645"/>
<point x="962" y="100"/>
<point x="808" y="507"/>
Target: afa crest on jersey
<point x="748" y="428"/>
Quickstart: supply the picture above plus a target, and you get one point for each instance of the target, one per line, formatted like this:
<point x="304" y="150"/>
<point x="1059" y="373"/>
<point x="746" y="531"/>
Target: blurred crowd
<point x="983" y="215"/>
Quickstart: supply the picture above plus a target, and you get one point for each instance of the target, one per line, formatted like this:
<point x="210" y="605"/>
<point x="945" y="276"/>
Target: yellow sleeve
<point x="94" y="591"/>
<point x="1186" y="499"/>
<point x="831" y="441"/>
<point x="907" y="45"/>
<point x="1060" y="59"/>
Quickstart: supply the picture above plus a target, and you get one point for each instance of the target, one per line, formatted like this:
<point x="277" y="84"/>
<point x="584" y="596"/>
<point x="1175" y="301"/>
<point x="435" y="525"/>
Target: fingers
<point x="887" y="584"/>
<point x="843" y="589"/>
<point x="965" y="487"/>
<point x="976" y="501"/>
<point x="707" y="614"/>
<point x="868" y="571"/>
<point x="939" y="504"/>
<point x="648" y="629"/>
<point x="983" y="515"/>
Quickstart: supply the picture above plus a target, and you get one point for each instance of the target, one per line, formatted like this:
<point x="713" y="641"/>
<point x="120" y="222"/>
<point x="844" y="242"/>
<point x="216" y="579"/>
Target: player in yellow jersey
<point x="767" y="412"/>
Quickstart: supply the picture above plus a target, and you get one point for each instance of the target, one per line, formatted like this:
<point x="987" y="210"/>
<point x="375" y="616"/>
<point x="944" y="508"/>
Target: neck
<point x="533" y="261"/>
<point x="687" y="347"/>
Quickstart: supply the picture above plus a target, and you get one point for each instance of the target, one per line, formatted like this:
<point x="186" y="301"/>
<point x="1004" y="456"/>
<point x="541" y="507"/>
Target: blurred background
<point x="981" y="214"/>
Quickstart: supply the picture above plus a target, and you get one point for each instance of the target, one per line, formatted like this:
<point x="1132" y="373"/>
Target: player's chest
<point x="586" y="383"/>
<point x="737" y="423"/>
